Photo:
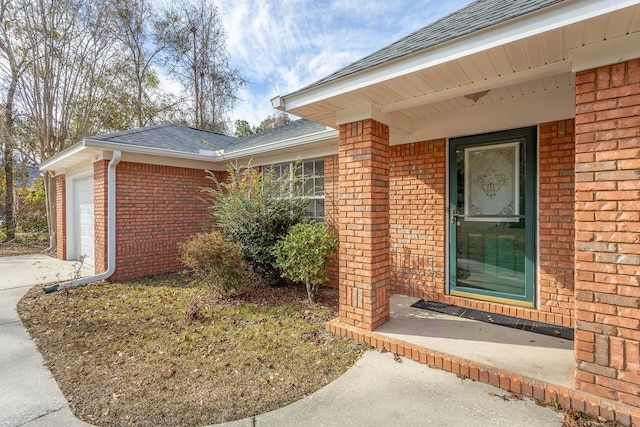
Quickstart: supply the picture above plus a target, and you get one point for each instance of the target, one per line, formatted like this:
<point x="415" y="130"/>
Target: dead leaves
<point x="132" y="339"/>
<point x="170" y="370"/>
<point x="505" y="397"/>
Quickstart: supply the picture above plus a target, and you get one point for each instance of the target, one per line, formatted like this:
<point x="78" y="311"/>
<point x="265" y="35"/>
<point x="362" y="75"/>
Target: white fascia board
<point x="171" y="161"/>
<point x="283" y="144"/>
<point x="49" y="164"/>
<point x="544" y="20"/>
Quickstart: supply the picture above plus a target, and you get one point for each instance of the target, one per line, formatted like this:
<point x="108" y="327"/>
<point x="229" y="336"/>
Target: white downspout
<point x="111" y="231"/>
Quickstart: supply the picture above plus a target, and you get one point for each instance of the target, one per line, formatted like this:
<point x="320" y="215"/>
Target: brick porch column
<point x="100" y="186"/>
<point x="364" y="223"/>
<point x="607" y="227"/>
<point x="61" y="217"/>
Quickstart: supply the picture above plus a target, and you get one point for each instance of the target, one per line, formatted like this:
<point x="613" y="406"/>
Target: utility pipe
<point x="111" y="231"/>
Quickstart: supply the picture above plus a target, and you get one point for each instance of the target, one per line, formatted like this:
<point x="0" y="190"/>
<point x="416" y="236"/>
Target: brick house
<point x="158" y="174"/>
<point x="490" y="160"/>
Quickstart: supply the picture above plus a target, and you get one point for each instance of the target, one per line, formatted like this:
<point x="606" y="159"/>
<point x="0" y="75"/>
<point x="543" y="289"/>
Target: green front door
<point x="492" y="199"/>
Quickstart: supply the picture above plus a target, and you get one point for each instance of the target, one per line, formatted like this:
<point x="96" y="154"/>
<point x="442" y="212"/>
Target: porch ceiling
<point x="528" y="67"/>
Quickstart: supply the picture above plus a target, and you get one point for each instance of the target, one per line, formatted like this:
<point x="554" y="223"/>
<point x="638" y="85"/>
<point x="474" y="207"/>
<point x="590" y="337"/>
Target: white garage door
<point x="83" y="219"/>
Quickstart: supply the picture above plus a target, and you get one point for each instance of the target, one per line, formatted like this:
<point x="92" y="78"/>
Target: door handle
<point x="452" y="215"/>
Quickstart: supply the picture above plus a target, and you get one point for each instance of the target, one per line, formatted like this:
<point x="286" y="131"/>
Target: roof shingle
<point x="294" y="129"/>
<point x="170" y="137"/>
<point x="191" y="140"/>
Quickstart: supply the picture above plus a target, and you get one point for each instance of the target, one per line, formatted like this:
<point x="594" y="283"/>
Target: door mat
<point x="497" y="319"/>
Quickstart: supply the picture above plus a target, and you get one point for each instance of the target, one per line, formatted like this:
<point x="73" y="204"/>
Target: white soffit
<point x="501" y="81"/>
<point x="70" y="159"/>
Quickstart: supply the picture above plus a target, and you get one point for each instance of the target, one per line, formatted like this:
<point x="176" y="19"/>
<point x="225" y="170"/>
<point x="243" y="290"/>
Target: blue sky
<point x="280" y="46"/>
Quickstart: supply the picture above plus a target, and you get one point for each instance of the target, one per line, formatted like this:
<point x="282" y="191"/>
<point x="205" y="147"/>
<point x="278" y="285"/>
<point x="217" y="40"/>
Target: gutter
<point x="111" y="232"/>
<point x="209" y="156"/>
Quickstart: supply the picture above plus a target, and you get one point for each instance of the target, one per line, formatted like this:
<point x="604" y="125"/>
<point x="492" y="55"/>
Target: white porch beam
<point x="607" y="52"/>
<point x="395" y="120"/>
<point x="507" y="114"/>
<point x="362" y="112"/>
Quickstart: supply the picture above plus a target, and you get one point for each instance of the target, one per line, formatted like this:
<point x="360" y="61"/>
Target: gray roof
<point x="169" y="137"/>
<point x="294" y="129"/>
<point x="191" y="140"/>
<point x="474" y="17"/>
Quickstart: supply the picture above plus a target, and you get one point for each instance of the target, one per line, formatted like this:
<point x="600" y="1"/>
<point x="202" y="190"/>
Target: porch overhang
<point x="523" y="70"/>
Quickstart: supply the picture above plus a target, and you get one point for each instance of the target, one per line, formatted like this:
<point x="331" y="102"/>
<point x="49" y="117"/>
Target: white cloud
<point x="282" y="46"/>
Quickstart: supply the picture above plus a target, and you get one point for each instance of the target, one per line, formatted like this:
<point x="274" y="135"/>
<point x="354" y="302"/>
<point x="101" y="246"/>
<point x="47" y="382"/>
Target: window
<point x="312" y="172"/>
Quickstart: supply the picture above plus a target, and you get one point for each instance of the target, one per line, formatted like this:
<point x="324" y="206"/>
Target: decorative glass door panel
<point x="491" y="216"/>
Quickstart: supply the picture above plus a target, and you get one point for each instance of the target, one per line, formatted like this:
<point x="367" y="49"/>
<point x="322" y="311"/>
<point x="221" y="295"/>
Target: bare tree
<point x="11" y="67"/>
<point x="142" y="34"/>
<point x="197" y="44"/>
<point x="71" y="47"/>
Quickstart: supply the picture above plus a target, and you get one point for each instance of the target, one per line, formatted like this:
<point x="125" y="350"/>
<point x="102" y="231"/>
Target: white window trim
<point x="290" y="166"/>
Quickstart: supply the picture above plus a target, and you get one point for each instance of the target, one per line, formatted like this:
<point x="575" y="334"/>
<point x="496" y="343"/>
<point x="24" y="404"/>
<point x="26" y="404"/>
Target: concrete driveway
<point x="377" y="391"/>
<point x="29" y="396"/>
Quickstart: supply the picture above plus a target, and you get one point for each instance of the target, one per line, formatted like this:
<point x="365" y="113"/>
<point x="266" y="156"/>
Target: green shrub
<point x="254" y="209"/>
<point x="303" y="255"/>
<point x="216" y="261"/>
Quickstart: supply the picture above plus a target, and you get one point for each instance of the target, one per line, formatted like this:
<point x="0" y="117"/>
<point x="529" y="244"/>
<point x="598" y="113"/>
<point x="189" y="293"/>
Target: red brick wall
<point x="364" y="223"/>
<point x="158" y="207"/>
<point x="331" y="209"/>
<point x="556" y="157"/>
<point x="608" y="231"/>
<point x="417" y="197"/>
<point x="61" y="217"/>
<point x="100" y="194"/>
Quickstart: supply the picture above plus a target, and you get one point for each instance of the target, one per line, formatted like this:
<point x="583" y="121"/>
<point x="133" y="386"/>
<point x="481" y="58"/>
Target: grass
<point x="161" y="351"/>
<point x="24" y="244"/>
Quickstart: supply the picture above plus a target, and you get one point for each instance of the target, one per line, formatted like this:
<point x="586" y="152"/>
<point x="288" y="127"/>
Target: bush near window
<point x="254" y="209"/>
<point x="303" y="255"/>
<point x="217" y="262"/>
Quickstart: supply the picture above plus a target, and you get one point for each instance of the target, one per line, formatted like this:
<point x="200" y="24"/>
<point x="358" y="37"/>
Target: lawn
<point x="161" y="351"/>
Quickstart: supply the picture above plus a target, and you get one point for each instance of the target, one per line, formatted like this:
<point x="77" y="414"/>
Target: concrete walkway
<point x="377" y="391"/>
